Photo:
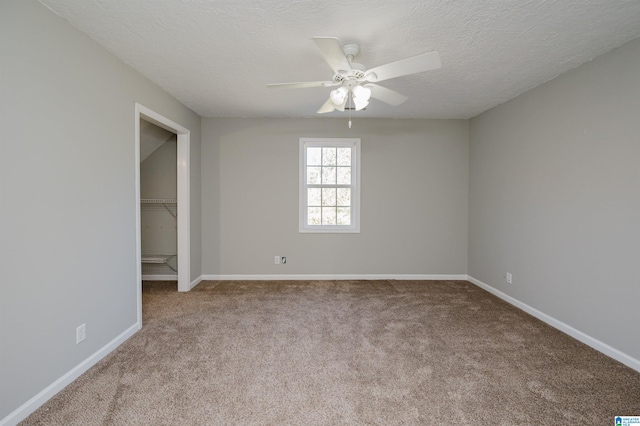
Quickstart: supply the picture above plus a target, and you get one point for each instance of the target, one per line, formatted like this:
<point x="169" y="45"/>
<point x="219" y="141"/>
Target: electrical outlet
<point x="509" y="278"/>
<point x="277" y="261"/>
<point x="81" y="333"/>
<point x="283" y="260"/>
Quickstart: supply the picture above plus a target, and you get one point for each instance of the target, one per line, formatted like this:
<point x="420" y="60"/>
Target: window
<point x="329" y="185"/>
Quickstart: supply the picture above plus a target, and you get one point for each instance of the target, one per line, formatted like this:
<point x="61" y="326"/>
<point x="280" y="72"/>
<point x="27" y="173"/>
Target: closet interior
<point x="158" y="202"/>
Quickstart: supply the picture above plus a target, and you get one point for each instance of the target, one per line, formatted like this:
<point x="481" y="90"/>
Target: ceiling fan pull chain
<point x="350" y="94"/>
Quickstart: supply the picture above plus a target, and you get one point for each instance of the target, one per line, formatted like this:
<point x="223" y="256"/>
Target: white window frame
<point x="354" y="144"/>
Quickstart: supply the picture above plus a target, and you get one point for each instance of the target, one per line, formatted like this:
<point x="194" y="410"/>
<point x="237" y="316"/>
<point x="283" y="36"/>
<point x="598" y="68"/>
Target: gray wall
<point x="414" y="198"/>
<point x="555" y="198"/>
<point x="67" y="233"/>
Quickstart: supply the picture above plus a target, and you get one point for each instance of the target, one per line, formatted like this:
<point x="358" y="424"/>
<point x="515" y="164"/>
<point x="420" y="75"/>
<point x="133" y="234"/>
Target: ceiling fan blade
<point x="301" y="85"/>
<point x="327" y="107"/>
<point x="331" y="50"/>
<point x="415" y="64"/>
<point x="385" y="95"/>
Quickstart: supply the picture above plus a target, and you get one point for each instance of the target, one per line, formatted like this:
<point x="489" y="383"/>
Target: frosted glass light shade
<point x="361" y="97"/>
<point x="339" y="95"/>
<point x="362" y="93"/>
<point x="359" y="103"/>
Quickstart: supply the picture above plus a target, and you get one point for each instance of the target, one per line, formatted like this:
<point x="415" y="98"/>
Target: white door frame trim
<point x="183" y="171"/>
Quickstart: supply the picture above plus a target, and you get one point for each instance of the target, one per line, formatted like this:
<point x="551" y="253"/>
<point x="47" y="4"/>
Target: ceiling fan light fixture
<point x="362" y="93"/>
<point x="360" y="104"/>
<point x="361" y="96"/>
<point x="339" y="96"/>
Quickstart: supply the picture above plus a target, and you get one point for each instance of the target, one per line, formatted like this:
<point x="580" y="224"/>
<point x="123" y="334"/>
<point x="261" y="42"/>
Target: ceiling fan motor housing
<point x="357" y="71"/>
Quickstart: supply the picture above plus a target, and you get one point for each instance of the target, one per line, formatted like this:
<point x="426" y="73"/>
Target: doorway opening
<point x="158" y="203"/>
<point x="182" y="211"/>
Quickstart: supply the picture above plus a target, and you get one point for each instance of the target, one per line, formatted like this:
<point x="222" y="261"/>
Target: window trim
<point x="353" y="143"/>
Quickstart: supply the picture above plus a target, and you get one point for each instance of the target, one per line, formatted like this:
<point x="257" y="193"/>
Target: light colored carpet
<point x="343" y="352"/>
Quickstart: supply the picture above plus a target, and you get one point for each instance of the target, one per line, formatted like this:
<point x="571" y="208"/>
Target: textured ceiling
<point x="216" y="56"/>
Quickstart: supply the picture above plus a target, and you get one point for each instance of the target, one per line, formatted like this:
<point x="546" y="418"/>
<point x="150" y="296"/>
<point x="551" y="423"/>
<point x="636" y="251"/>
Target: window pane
<point x="314" y="156"/>
<point x="344" y="216"/>
<point x="328" y="215"/>
<point x="313" y="175"/>
<point x="344" y="156"/>
<point x="328" y="156"/>
<point x="344" y="175"/>
<point x="313" y="196"/>
<point x="328" y="196"/>
<point x="328" y="175"/>
<point x="343" y="197"/>
<point x="313" y="216"/>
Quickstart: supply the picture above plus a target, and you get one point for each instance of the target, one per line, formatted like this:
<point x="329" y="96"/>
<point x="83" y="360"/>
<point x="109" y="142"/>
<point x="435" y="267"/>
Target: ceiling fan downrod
<point x="350" y="50"/>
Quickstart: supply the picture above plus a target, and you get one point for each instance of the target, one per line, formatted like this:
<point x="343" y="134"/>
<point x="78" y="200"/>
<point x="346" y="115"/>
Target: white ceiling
<point x="216" y="56"/>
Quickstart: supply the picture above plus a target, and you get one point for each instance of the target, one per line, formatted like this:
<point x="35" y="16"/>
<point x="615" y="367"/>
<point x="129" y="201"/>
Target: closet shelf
<point x="158" y="201"/>
<point x="160" y="259"/>
<point x="164" y="201"/>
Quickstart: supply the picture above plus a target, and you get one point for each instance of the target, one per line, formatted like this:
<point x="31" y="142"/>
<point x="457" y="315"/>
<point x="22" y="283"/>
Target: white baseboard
<point x="43" y="396"/>
<point x="195" y="282"/>
<point x="565" y="328"/>
<point x="159" y="278"/>
<point x="318" y="277"/>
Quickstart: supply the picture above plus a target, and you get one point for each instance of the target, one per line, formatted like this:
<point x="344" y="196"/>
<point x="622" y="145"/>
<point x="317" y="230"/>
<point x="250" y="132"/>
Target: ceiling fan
<point x="356" y="83"/>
